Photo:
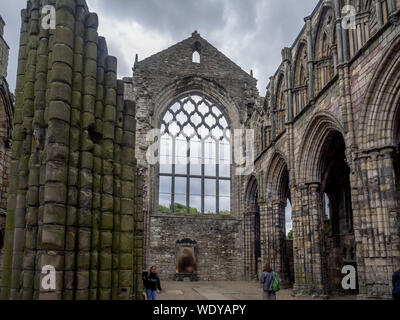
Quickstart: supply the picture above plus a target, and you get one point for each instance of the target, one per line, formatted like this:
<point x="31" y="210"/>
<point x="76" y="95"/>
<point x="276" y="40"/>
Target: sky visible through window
<point x="195" y="158"/>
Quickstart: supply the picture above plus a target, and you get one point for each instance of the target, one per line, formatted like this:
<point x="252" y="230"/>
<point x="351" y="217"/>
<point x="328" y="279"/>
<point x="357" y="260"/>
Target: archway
<point x="324" y="232"/>
<point x="338" y="228"/>
<point x="252" y="231"/>
<point x="379" y="137"/>
<point x="278" y="226"/>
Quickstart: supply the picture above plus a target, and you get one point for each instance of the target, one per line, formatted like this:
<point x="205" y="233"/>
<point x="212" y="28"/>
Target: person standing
<point x="152" y="284"/>
<point x="396" y="285"/>
<point x="267" y="279"/>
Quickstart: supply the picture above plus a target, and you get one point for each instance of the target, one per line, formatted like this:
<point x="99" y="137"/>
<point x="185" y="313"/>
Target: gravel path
<point x="238" y="290"/>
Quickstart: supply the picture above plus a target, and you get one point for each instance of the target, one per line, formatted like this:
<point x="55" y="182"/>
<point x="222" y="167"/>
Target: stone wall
<point x="74" y="200"/>
<point x="4" y="51"/>
<point x="6" y="118"/>
<point x="350" y="91"/>
<point x="218" y="245"/>
<point x="157" y="82"/>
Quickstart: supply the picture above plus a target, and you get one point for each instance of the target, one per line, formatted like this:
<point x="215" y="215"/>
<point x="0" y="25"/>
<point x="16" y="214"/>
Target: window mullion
<point x="188" y="175"/>
<point x="202" y="176"/>
<point x="217" y="179"/>
<point x="173" y="175"/>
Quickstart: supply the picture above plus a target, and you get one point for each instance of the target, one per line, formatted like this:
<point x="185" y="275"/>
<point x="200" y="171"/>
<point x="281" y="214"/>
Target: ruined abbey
<point x="80" y="190"/>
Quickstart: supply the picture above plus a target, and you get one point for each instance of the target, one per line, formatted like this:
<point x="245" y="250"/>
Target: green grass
<point x="180" y="208"/>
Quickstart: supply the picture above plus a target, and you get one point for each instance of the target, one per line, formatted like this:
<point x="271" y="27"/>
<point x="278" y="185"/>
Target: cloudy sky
<point x="250" y="32"/>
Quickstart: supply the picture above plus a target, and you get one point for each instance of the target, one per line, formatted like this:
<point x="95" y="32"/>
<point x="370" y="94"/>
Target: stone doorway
<point x="186" y="260"/>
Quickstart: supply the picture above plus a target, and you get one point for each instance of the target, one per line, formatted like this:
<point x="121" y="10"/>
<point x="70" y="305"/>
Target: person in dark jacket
<point x="151" y="283"/>
<point x="267" y="279"/>
<point x="396" y="285"/>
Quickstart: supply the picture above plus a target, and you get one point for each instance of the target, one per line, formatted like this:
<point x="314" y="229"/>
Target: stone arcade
<point x="83" y="197"/>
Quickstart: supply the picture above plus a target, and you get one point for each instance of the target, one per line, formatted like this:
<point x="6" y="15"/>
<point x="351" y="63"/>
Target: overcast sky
<point x="250" y="32"/>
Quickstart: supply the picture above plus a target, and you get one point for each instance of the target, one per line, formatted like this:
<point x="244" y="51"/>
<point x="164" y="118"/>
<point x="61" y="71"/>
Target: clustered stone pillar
<point x="287" y="61"/>
<point x="250" y="242"/>
<point x="376" y="226"/>
<point x="75" y="201"/>
<point x="272" y="107"/>
<point x="308" y="241"/>
<point x="274" y="238"/>
<point x="310" y="59"/>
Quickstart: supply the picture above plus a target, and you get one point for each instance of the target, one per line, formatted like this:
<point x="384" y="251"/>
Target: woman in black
<point x="152" y="284"/>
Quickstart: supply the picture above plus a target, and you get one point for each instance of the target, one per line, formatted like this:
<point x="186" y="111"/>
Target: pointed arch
<point x="325" y="27"/>
<point x="252" y="243"/>
<point x="300" y="96"/>
<point x="322" y="127"/>
<point x="251" y="194"/>
<point x="324" y="48"/>
<point x="381" y="105"/>
<point x="277" y="178"/>
<point x="196" y="57"/>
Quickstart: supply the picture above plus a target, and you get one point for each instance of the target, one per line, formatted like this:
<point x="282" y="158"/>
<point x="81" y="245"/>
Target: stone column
<point x="35" y="199"/>
<point x="376" y="223"/>
<point x="391" y="6"/>
<point x="310" y="57"/>
<point x="379" y="13"/>
<point x="250" y="239"/>
<point x="22" y="271"/>
<point x="338" y="31"/>
<point x="279" y="245"/>
<point x="335" y="59"/>
<point x="341" y="34"/>
<point x="287" y="60"/>
<point x="273" y="238"/>
<point x="308" y="242"/>
<point x="75" y="198"/>
<point x="263" y="231"/>
<point x="18" y="139"/>
<point x="272" y="108"/>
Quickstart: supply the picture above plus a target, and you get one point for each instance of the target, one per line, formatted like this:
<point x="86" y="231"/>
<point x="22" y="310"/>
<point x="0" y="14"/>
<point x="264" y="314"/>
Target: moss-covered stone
<point x="64" y="184"/>
<point x="53" y="237"/>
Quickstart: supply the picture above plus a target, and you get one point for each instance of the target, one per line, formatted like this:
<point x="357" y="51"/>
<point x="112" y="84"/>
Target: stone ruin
<point x="74" y="193"/>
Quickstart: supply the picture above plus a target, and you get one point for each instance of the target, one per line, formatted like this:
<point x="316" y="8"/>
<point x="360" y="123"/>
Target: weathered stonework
<point x="218" y="244"/>
<point x="326" y="138"/>
<point x="329" y="126"/>
<point x="74" y="201"/>
<point x="6" y="116"/>
<point x="157" y="82"/>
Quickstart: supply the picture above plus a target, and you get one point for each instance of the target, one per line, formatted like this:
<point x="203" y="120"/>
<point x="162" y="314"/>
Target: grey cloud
<point x="171" y="17"/>
<point x="250" y="32"/>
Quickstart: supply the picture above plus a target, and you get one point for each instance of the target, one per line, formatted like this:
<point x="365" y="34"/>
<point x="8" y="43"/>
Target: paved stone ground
<point x="239" y="290"/>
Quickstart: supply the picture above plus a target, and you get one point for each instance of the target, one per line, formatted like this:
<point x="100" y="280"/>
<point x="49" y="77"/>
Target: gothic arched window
<point x="196" y="57"/>
<point x="324" y="46"/>
<point x="195" y="158"/>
